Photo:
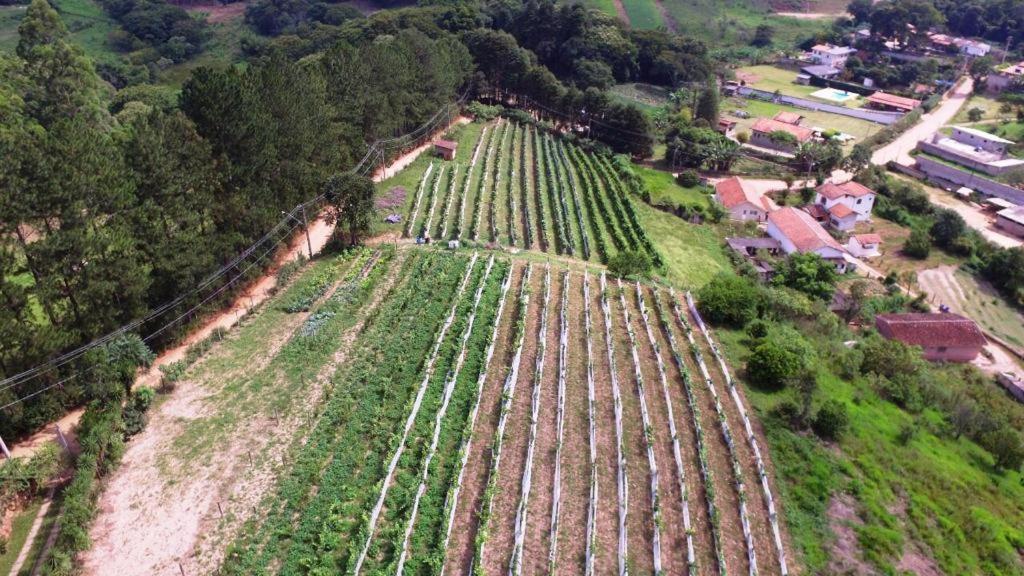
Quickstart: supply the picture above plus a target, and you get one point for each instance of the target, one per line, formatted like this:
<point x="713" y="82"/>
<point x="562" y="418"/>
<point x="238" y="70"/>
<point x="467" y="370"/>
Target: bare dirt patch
<point x="845" y="551"/>
<point x="217" y="12"/>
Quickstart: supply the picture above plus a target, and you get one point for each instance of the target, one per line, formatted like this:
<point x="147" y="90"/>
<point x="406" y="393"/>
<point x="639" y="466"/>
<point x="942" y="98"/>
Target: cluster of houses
<point x="790" y="229"/>
<point x="943" y="337"/>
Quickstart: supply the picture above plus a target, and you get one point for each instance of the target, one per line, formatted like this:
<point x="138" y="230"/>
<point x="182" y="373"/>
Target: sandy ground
<point x="900" y="148"/>
<point x="973" y="216"/>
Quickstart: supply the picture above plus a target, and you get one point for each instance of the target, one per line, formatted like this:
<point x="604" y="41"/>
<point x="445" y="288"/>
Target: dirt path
<point x="668" y="19"/>
<point x="202" y="508"/>
<point x="973" y="216"/>
<point x="319" y="233"/>
<point x="37" y="523"/>
<point x="899" y="149"/>
<point x="620" y="9"/>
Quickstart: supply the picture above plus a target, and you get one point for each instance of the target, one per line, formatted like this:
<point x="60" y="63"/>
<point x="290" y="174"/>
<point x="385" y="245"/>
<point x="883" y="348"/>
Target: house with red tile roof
<point x="884" y="101"/>
<point x="742" y="200"/>
<point x="788" y="117"/>
<point x="943" y="337"/>
<point x="765" y="131"/>
<point x="858" y="198"/>
<point x="797" y="231"/>
<point x="841" y="217"/>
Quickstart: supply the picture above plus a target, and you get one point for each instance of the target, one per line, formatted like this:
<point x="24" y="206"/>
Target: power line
<point x="376" y="149"/>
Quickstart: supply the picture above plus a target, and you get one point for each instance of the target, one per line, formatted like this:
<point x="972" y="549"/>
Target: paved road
<point x="899" y="149"/>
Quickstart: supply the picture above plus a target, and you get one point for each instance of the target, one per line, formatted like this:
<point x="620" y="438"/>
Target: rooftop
<point x="868" y="238"/>
<point x="823" y="70"/>
<point x="930" y="330"/>
<point x="768" y="125"/>
<point x="982" y="134"/>
<point x="833" y="50"/>
<point x="841" y="211"/>
<point x="837" y="191"/>
<point x="802" y="230"/>
<point x="1015" y="214"/>
<point x="734" y="191"/>
<point x="894" y="100"/>
<point x="788" y="117"/>
<point x="446" y="144"/>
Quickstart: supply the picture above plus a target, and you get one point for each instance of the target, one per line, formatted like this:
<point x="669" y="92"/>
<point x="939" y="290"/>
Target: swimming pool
<point x="835" y="95"/>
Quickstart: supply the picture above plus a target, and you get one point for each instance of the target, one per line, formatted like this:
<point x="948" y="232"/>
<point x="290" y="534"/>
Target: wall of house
<point x="746" y="211"/>
<point x="764" y="141"/>
<point x="952" y="354"/>
<point x="975" y="140"/>
<point x="774" y="232"/>
<point x="937" y="170"/>
<point x="1010" y="226"/>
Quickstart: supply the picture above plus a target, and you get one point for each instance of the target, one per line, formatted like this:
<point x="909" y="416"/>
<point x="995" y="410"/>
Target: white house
<point x="858" y="198"/>
<point x="864" y="245"/>
<point x="797" y="231"/>
<point x="841" y="217"/>
<point x="743" y="201"/>
<point x="830" y="55"/>
<point x="981" y="139"/>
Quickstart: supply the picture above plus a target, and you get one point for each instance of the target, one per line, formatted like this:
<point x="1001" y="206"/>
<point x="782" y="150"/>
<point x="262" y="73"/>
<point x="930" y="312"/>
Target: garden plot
<point x="519" y="187"/>
<point x="528" y="419"/>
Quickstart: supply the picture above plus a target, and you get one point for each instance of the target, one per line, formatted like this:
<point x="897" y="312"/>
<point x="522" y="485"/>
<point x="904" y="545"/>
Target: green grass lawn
<point x="606" y="6"/>
<point x="731" y="24"/>
<point x="982" y="303"/>
<point x="19" y="532"/>
<point x="647" y="96"/>
<point x="771" y="78"/>
<point x="643" y="14"/>
<point x="989" y="105"/>
<point x="859" y="129"/>
<point x="693" y="253"/>
<point x="409" y="178"/>
<point x="932" y="493"/>
<point x="87" y="22"/>
<point x="665" y="190"/>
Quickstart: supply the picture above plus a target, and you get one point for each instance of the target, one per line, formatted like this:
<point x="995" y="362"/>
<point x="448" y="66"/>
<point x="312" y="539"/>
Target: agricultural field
<point x="512" y="186"/>
<point x="530" y="418"/>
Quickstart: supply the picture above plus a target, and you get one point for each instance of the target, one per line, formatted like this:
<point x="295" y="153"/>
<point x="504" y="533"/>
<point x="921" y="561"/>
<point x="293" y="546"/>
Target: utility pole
<point x="305" y="224"/>
<point x="3" y="447"/>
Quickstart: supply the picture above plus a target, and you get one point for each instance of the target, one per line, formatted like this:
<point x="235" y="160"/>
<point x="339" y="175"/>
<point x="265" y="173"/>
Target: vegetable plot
<point x="436" y="452"/>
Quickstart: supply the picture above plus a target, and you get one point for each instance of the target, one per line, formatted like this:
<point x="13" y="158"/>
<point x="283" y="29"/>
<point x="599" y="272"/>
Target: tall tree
<point x="350" y="198"/>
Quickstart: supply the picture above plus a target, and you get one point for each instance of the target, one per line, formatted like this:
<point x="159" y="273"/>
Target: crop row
<point x="342" y="441"/>
<point x="511" y="186"/>
<point x="419" y="198"/>
<point x="449" y="389"/>
<point x="621" y="480"/>
<point x="570" y="177"/>
<point x="411" y="419"/>
<point x="738" y="481"/>
<point x="542" y="224"/>
<point x="524" y="187"/>
<point x="691" y="558"/>
<point x="460" y="227"/>
<point x="474" y="227"/>
<point x="538" y="385"/>
<point x="648" y="433"/>
<point x="591" y="433"/>
<point x="507" y="395"/>
<point x="452" y="498"/>
<point x="496" y="183"/>
<point x="627" y="204"/>
<point x="563" y="358"/>
<point x="559" y="211"/>
<point x="762" y="471"/>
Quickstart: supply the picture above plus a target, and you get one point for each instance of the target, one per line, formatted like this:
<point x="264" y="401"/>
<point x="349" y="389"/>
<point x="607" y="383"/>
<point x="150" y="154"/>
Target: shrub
<point x="831" y="421"/>
<point x="743" y="137"/>
<point x="483" y="112"/>
<point x="1006" y="447"/>
<point x="771" y="365"/>
<point x="630" y="263"/>
<point x="757" y="329"/>
<point x="728" y="299"/>
<point x="688" y="178"/>
<point x="788" y="412"/>
<point x="918" y="244"/>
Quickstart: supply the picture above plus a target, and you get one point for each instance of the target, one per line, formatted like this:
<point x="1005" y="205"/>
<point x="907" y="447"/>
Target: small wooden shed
<point x="445" y="149"/>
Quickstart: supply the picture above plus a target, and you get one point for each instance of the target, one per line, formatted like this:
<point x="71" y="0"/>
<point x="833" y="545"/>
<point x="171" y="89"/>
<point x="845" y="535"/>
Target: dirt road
<point x="899" y="149"/>
<point x="973" y="216"/>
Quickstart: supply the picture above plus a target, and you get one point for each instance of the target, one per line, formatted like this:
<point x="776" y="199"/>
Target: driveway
<point x="900" y="148"/>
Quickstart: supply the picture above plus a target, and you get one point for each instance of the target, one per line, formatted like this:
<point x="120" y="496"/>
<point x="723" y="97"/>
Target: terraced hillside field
<point x="499" y="416"/>
<point x="515" y="186"/>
